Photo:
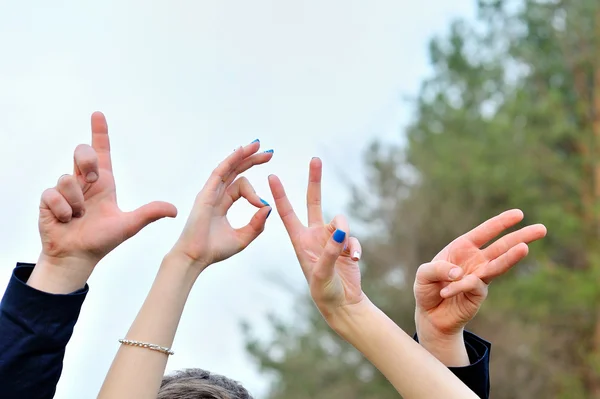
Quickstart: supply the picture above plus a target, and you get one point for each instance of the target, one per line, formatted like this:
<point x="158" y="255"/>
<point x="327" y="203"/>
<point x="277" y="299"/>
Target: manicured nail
<point x="269" y="151"/>
<point x="356" y="255"/>
<point x="264" y="202"/>
<point x="455" y="273"/>
<point x="91" y="177"/>
<point x="255" y="141"/>
<point x="269" y="212"/>
<point x="339" y="236"/>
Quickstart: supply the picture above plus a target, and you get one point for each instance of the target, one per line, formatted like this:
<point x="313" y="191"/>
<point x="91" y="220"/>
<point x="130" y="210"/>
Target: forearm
<point x="137" y="372"/>
<point x="410" y="368"/>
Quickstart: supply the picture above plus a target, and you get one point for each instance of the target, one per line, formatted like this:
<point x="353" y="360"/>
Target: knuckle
<point x="63" y="216"/>
<point x="86" y="162"/>
<point x="65" y="181"/>
<point x="423" y="268"/>
<point x="331" y="251"/>
<point x="54" y="200"/>
<point x="243" y="166"/>
<point x="48" y="194"/>
<point x="472" y="281"/>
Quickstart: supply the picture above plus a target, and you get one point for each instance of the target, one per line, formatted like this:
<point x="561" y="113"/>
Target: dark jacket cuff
<point x="37" y="309"/>
<point x="476" y="375"/>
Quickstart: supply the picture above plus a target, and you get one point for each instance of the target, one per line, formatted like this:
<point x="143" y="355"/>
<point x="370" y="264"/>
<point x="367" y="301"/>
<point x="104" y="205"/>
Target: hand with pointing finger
<point x="327" y="253"/>
<point x="80" y="221"/>
<point x="451" y="288"/>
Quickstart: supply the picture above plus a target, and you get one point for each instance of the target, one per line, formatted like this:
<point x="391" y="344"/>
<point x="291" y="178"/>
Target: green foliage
<point x="506" y="120"/>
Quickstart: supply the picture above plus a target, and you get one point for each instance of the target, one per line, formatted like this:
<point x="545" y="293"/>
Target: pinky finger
<point x="354" y="249"/>
<point x="57" y="205"/>
<point x="470" y="284"/>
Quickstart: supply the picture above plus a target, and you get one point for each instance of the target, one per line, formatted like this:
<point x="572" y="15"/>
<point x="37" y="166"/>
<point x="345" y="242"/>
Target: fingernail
<point x="455" y="273"/>
<point x="264" y="202"/>
<point x="78" y="214"/>
<point x="445" y="291"/>
<point x="269" y="212"/>
<point x="269" y="151"/>
<point x="356" y="255"/>
<point x="255" y="141"/>
<point x="339" y="236"/>
<point x="91" y="177"/>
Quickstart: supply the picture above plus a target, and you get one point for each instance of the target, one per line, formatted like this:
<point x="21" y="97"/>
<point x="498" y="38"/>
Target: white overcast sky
<point x="182" y="83"/>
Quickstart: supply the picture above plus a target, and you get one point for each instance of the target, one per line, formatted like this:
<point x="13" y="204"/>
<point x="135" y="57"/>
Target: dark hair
<point x="200" y="384"/>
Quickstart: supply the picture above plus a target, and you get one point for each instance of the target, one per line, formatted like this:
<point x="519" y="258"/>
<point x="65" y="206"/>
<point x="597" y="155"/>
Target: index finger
<point x="313" y="193"/>
<point x="100" y="140"/>
<point x="292" y="224"/>
<point x="216" y="184"/>
<point x="491" y="228"/>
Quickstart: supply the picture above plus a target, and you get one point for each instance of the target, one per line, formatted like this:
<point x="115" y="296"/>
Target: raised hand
<point x="208" y="237"/>
<point x="80" y="221"/>
<point x="451" y="288"/>
<point x="326" y="252"/>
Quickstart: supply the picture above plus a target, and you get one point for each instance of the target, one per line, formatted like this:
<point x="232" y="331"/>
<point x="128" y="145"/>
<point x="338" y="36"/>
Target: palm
<point x="309" y="245"/>
<point x="222" y="241"/>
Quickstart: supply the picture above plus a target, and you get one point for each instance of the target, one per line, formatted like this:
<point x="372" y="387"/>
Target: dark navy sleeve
<point x="476" y="375"/>
<point x="35" y="328"/>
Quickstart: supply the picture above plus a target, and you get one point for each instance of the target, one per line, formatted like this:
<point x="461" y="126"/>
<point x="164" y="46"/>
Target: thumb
<point x="325" y="267"/>
<point x="146" y="214"/>
<point x="252" y="230"/>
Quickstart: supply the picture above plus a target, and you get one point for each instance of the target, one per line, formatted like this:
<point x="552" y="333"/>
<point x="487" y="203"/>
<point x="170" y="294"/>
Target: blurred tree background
<point x="509" y="119"/>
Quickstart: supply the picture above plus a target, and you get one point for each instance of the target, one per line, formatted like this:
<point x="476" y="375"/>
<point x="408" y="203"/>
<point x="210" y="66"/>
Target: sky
<point x="183" y="83"/>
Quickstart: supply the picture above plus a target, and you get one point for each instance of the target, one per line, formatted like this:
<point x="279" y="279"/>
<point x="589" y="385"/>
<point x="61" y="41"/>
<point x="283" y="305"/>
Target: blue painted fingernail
<point x="269" y="212"/>
<point x="264" y="202"/>
<point x="339" y="236"/>
<point x="269" y="151"/>
<point x="255" y="141"/>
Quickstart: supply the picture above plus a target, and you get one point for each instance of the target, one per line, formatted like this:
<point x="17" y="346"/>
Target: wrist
<point x="182" y="266"/>
<point x="448" y="348"/>
<point x="345" y="319"/>
<point x="184" y="259"/>
<point x="60" y="275"/>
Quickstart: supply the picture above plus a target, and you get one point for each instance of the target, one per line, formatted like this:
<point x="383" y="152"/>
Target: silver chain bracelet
<point x="161" y="349"/>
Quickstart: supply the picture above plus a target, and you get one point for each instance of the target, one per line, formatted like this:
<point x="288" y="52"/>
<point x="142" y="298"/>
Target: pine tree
<point x="510" y="118"/>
